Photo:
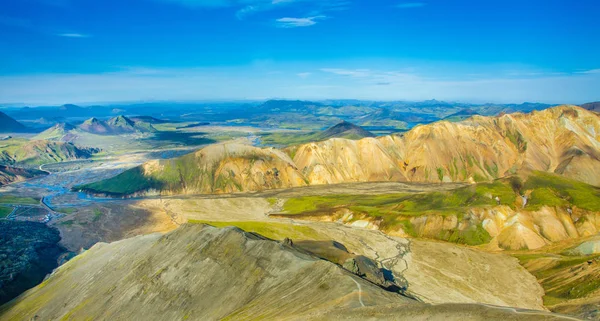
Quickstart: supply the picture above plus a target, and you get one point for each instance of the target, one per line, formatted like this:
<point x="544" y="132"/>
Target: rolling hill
<point x="56" y="132"/>
<point x="595" y="106"/>
<point x="9" y="125"/>
<point x="23" y="152"/>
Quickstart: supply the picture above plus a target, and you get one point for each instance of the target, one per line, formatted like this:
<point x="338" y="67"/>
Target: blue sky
<point x="61" y="51"/>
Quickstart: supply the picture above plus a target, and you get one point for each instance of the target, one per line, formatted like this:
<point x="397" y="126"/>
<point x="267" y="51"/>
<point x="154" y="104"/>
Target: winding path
<point x="359" y="292"/>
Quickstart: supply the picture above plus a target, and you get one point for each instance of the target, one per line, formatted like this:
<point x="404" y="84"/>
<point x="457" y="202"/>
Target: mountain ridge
<point x="485" y="148"/>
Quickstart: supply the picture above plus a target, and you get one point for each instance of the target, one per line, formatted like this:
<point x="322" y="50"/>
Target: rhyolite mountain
<point x="9" y="125"/>
<point x="562" y="140"/>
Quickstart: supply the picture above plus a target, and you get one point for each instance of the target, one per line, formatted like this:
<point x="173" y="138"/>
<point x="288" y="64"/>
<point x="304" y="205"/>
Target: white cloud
<point x="409" y="5"/>
<point x="246" y="8"/>
<point x="591" y="71"/>
<point x="348" y="72"/>
<point x="73" y="35"/>
<point x="298" y="22"/>
<point x="304" y="74"/>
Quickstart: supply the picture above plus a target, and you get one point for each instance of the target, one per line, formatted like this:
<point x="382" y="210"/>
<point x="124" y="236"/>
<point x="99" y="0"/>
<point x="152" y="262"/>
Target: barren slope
<point x="203" y="273"/>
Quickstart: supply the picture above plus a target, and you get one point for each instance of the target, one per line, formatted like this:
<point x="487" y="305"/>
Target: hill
<point x="595" y="106"/>
<point x="23" y="152"/>
<point x="10" y="174"/>
<point x="9" y="125"/>
<point x="56" y="132"/>
<point x="116" y="126"/>
<point x="199" y="272"/>
<point x="345" y="130"/>
<point x="220" y="168"/>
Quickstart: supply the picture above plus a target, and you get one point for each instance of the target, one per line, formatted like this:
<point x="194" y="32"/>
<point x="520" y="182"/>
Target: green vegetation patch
<point x="275" y="231"/>
<point x="404" y="204"/>
<point x="4" y="211"/>
<point x="553" y="190"/>
<point x="97" y="214"/>
<point x="17" y="200"/>
<point x="287" y="139"/>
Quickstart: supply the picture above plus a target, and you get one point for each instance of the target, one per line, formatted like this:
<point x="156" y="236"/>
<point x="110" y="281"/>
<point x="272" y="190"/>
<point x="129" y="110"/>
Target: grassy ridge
<point x="557" y="278"/>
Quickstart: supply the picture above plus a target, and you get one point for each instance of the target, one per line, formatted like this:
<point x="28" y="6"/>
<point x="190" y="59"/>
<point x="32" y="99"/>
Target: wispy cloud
<point x="304" y="75"/>
<point x="409" y="5"/>
<point x="139" y="83"/>
<point x="73" y="35"/>
<point x="298" y="22"/>
<point x="360" y="73"/>
<point x="246" y="8"/>
<point x="30" y="26"/>
<point x="591" y="71"/>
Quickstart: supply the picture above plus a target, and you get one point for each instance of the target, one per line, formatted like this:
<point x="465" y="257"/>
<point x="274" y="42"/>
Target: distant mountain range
<point x="114" y="126"/>
<point x="595" y="106"/>
<point x="374" y="112"/>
